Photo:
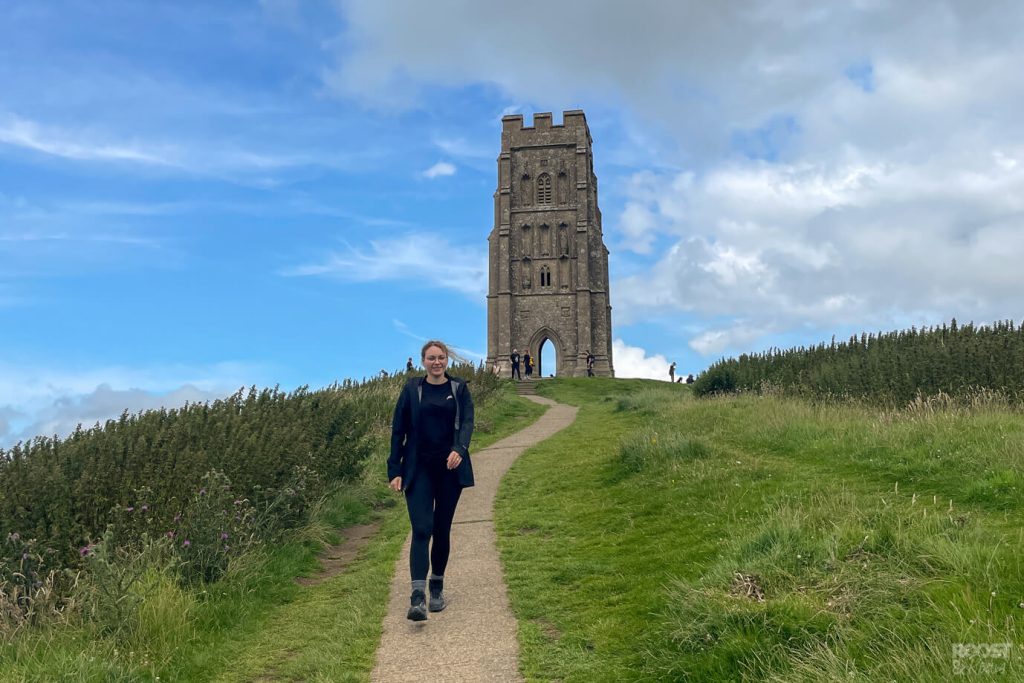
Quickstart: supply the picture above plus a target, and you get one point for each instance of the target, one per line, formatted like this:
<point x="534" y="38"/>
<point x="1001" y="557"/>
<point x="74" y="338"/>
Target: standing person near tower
<point x="528" y="363"/>
<point x="429" y="460"/>
<point x="672" y="372"/>
<point x="590" y="364"/>
<point x="515" y="364"/>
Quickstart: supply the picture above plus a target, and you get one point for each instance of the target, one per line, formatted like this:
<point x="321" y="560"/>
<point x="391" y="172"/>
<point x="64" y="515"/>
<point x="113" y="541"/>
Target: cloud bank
<point x="817" y="166"/>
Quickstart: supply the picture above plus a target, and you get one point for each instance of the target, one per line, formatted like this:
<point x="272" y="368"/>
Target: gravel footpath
<point x="474" y="638"/>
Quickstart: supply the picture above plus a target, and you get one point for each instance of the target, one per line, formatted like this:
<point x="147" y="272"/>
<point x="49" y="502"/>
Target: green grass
<point x="257" y="621"/>
<point x="662" y="538"/>
<point x="658" y="538"/>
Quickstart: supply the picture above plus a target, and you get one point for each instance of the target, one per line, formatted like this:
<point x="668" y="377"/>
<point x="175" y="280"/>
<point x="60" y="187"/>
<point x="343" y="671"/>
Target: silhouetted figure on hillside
<point x="672" y="372"/>
<point x="689" y="379"/>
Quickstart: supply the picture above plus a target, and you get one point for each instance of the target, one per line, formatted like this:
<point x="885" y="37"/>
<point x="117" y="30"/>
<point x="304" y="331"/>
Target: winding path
<point x="474" y="639"/>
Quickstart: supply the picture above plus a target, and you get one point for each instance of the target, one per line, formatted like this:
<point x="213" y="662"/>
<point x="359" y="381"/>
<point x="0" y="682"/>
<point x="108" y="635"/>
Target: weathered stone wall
<point x="548" y="277"/>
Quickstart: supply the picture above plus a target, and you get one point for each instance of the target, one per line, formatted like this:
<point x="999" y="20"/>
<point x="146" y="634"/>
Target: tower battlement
<point x="572" y="118"/>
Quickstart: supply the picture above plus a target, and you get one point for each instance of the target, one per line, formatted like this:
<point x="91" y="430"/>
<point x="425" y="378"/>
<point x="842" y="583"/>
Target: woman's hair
<point x="434" y="342"/>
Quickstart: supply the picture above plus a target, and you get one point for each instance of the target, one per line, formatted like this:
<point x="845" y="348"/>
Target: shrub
<point x="111" y="592"/>
<point x="215" y="527"/>
<point x="32" y="589"/>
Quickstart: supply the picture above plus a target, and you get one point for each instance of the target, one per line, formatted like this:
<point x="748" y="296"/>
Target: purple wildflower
<point x="186" y="543"/>
<point x="223" y="535"/>
<point x="144" y="507"/>
<point x="129" y="509"/>
<point x="170" y="534"/>
<point x="83" y="551"/>
<point x="202" y="492"/>
<point x="238" y="502"/>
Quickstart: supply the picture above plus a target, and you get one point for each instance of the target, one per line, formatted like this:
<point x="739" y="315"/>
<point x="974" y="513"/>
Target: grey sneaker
<point x="437" y="601"/>
<point x="418" y="607"/>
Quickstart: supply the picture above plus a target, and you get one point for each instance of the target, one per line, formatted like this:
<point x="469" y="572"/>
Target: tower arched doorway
<point x="547" y="359"/>
<point x="548" y="352"/>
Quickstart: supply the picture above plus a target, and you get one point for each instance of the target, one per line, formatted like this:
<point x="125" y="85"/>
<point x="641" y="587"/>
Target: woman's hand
<point x="396" y="484"/>
<point x="454" y="460"/>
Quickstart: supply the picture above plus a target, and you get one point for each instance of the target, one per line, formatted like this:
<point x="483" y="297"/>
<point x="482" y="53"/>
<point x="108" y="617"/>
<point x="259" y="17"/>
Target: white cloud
<point x="462" y="148"/>
<point x="633" y="361"/>
<point x="440" y="169"/>
<point x="191" y="154"/>
<point x="716" y="341"/>
<point x="418" y="257"/>
<point x="20" y="132"/>
<point x="783" y="245"/>
<point x="638" y="224"/>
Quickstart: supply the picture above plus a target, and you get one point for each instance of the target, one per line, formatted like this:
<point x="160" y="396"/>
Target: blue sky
<point x="199" y="196"/>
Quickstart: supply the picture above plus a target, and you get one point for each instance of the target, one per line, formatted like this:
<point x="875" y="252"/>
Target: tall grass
<point x="762" y="538"/>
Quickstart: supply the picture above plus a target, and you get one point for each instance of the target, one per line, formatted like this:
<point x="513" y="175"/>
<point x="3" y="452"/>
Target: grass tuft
<point x="648" y="449"/>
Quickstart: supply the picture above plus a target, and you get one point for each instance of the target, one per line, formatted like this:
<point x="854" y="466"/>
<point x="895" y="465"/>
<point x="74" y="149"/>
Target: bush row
<point x="889" y="369"/>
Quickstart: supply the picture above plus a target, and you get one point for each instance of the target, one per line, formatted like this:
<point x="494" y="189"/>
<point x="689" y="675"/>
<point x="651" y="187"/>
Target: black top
<point x="436" y="430"/>
<point x="404" y="460"/>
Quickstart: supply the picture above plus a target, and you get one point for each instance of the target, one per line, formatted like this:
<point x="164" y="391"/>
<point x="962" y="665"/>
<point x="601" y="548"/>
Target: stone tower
<point x="548" y="263"/>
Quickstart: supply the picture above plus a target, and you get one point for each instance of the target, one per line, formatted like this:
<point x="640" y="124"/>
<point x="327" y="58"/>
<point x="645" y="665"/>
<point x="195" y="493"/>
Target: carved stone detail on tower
<point x="548" y="277"/>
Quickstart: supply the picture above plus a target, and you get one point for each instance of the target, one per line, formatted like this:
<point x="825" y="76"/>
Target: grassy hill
<point x="663" y="538"/>
<point x="659" y="538"/>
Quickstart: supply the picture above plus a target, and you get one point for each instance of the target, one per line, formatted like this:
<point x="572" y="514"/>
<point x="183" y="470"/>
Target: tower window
<point x="545" y="276"/>
<point x="544" y="189"/>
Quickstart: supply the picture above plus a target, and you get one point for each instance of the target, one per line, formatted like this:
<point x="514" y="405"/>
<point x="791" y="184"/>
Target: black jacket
<point x="402" y="460"/>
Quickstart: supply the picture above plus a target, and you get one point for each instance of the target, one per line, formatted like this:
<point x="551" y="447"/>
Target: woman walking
<point x="429" y="460"/>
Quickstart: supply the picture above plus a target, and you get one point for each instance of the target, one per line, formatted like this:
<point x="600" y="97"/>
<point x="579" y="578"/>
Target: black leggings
<point x="431" y="499"/>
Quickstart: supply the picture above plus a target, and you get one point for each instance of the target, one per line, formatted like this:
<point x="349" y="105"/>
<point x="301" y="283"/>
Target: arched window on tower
<point x="544" y="189"/>
<point x="545" y="276"/>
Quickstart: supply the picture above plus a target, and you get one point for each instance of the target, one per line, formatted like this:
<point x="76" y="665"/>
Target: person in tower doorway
<point x="528" y="364"/>
<point x="672" y="372"/>
<point x="515" y="364"/>
<point x="429" y="461"/>
<point x="590" y="364"/>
